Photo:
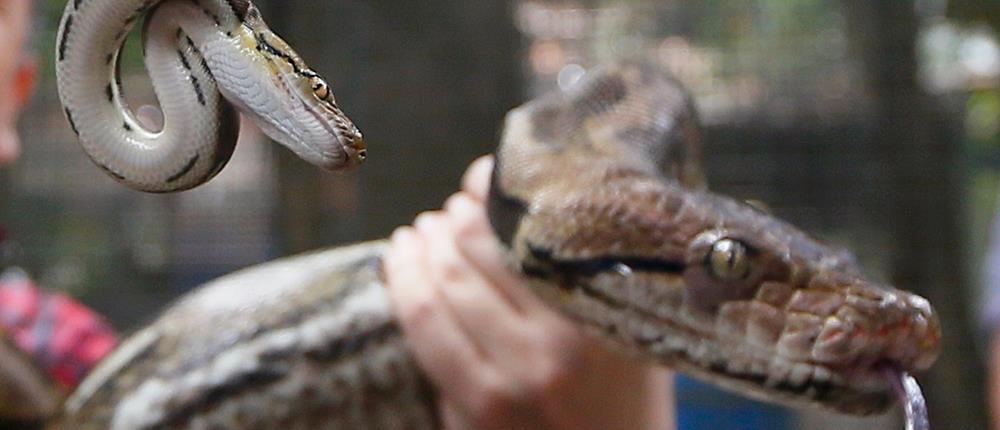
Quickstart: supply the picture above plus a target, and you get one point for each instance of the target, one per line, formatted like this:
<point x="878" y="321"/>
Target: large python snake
<point x="597" y="195"/>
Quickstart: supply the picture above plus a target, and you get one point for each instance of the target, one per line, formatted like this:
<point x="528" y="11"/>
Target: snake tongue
<point x="910" y="396"/>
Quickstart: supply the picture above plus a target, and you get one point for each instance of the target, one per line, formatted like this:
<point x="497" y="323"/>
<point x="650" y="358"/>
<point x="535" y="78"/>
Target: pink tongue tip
<point x="908" y="391"/>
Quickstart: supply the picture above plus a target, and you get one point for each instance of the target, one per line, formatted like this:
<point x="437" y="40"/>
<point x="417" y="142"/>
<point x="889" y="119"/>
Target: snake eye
<point x="728" y="260"/>
<point x="320" y="89"/>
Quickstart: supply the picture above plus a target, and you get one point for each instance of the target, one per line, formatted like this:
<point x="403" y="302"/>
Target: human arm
<point x="499" y="357"/>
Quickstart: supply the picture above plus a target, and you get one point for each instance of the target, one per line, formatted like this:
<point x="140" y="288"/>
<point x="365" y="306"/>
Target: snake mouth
<point x="357" y="152"/>
<point x="756" y="373"/>
<point x="865" y="391"/>
<point x="849" y="391"/>
<point x="853" y="389"/>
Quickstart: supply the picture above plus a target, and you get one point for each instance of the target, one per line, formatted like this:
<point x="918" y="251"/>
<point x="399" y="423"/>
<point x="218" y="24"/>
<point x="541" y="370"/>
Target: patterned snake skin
<point x="596" y="192"/>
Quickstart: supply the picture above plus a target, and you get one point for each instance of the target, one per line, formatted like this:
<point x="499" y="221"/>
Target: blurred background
<point x="874" y="124"/>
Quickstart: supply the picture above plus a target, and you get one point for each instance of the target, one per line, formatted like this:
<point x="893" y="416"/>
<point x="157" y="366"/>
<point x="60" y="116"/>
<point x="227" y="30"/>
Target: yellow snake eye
<point x="320" y="89"/>
<point x="729" y="260"/>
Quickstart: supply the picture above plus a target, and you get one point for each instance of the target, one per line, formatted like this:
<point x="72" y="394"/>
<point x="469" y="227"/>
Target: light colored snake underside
<point x="586" y="195"/>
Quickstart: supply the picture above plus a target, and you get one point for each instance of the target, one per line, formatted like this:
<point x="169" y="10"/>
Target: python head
<point x="273" y="86"/>
<point x="604" y="229"/>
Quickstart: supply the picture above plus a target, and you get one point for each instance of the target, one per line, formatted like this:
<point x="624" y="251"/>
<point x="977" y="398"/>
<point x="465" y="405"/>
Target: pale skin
<point x="498" y="356"/>
<point x="17" y="74"/>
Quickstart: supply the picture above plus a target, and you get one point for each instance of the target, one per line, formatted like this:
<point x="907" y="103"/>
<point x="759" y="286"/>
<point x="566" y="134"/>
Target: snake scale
<point x="596" y="193"/>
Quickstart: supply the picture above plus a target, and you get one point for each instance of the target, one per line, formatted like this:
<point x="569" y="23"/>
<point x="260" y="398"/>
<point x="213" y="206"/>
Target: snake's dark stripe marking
<point x="201" y="58"/>
<point x="352" y="285"/>
<point x="67" y="27"/>
<point x="601" y="96"/>
<point x="185" y="170"/>
<point x="543" y="274"/>
<point x="351" y="345"/>
<point x="240" y="8"/>
<point x="118" y="77"/>
<point x="505" y="210"/>
<point x="184" y="60"/>
<point x="210" y="399"/>
<point x="263" y="44"/>
<point x="111" y="172"/>
<point x="197" y="90"/>
<point x="589" y="267"/>
<point x="126" y="126"/>
<point x="110" y="92"/>
<point x="72" y="122"/>
<point x="274" y="369"/>
<point x="194" y="79"/>
<point x="77" y="3"/>
<point x="204" y="66"/>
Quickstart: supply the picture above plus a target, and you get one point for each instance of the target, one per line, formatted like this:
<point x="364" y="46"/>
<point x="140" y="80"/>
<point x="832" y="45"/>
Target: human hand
<point x="499" y="358"/>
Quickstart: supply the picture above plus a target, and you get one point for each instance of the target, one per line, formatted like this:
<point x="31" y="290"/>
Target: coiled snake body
<point x="207" y="59"/>
<point x="596" y="194"/>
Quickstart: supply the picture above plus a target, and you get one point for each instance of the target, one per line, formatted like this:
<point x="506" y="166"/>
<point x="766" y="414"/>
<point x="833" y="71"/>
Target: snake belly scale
<point x="208" y="60"/>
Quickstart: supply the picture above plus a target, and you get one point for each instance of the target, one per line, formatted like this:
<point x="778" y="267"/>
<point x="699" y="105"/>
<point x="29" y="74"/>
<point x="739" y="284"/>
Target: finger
<point x="477" y="244"/>
<point x="486" y="316"/>
<point x="439" y="345"/>
<point x="477" y="178"/>
<point x="451" y="418"/>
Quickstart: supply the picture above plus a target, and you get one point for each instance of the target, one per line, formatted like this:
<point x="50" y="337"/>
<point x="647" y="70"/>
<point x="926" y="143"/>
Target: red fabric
<point x="64" y="337"/>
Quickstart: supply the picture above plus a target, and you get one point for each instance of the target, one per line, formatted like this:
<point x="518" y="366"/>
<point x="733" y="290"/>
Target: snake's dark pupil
<point x="728" y="260"/>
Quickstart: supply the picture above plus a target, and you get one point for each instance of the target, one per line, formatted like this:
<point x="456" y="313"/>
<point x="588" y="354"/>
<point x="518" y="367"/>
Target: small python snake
<point x="207" y="59"/>
<point x="597" y="194"/>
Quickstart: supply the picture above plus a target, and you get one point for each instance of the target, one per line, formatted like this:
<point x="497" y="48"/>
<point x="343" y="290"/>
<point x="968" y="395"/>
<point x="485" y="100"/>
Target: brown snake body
<point x="596" y="192"/>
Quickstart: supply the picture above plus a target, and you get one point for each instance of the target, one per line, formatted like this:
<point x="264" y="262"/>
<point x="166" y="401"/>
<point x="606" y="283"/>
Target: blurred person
<point x="500" y="357"/>
<point x="18" y="70"/>
<point x="63" y="337"/>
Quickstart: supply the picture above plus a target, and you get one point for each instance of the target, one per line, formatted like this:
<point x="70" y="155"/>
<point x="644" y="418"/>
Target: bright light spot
<point x="570" y="76"/>
<point x="980" y="55"/>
